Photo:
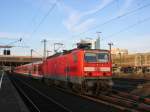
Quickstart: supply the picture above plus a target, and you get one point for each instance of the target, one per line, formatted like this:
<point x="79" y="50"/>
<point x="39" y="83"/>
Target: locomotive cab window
<point x="90" y="57"/>
<point x="103" y="57"/>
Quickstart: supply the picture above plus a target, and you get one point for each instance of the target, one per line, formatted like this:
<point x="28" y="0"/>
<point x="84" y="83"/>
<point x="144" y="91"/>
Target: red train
<point x="31" y="69"/>
<point x="79" y="69"/>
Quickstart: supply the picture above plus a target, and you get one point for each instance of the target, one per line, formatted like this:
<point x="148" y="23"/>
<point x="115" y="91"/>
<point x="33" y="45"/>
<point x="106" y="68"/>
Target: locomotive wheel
<point x="69" y="85"/>
<point x="76" y="88"/>
<point x="101" y="86"/>
<point x="48" y="82"/>
<point x="84" y="88"/>
<point x="98" y="87"/>
<point x="104" y="87"/>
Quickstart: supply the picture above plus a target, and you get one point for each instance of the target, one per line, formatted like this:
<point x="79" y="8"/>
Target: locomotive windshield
<point x="90" y="57"/>
<point x="102" y="57"/>
<point x="96" y="57"/>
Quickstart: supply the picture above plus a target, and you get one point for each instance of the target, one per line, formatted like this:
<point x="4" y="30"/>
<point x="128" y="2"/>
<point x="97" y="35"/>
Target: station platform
<point x="10" y="101"/>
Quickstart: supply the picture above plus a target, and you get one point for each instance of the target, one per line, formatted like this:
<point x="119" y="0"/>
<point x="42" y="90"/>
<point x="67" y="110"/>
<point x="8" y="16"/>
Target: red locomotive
<point x="80" y="69"/>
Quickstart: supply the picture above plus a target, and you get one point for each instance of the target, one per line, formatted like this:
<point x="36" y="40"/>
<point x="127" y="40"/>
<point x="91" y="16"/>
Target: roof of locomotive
<point x="76" y="49"/>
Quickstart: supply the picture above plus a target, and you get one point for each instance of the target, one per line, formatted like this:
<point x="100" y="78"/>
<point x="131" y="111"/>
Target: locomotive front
<point x="97" y="70"/>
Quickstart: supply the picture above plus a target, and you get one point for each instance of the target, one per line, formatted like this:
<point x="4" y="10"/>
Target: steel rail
<point x="98" y="100"/>
<point x="119" y="102"/>
<point x="23" y="93"/>
<point x="133" y="97"/>
<point x="40" y="93"/>
<point x="122" y="103"/>
<point x="1" y="80"/>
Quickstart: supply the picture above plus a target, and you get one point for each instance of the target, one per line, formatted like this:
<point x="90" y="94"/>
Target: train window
<point x="34" y="68"/>
<point x="90" y="57"/>
<point x="103" y="57"/>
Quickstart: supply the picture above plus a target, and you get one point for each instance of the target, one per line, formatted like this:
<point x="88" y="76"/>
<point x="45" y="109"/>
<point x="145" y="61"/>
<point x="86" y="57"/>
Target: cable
<point x="115" y="18"/>
<point x="37" y="52"/>
<point x="35" y="15"/>
<point x="46" y="15"/>
<point x="19" y="40"/>
<point x="33" y="49"/>
<point x="42" y="20"/>
<point x="129" y="27"/>
<point x="6" y="38"/>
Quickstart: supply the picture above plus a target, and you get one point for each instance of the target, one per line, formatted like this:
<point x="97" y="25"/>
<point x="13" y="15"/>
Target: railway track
<point x="75" y="103"/>
<point x="127" y="84"/>
<point x="142" y="99"/>
<point x="121" y="101"/>
<point x="36" y="100"/>
<point x="130" y="81"/>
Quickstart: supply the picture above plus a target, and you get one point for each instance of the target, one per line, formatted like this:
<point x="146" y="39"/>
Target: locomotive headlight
<point x="89" y="69"/>
<point x="105" y="69"/>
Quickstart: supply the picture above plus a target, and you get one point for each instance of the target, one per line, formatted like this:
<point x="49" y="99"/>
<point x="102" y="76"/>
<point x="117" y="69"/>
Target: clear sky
<point x="72" y="20"/>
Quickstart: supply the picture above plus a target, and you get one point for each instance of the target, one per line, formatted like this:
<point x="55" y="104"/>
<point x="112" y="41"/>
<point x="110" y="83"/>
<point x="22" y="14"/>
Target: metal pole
<point x="54" y="48"/>
<point x="120" y="59"/>
<point x="110" y="45"/>
<point x="31" y="54"/>
<point x="44" y="51"/>
<point x="31" y="60"/>
<point x="98" y="44"/>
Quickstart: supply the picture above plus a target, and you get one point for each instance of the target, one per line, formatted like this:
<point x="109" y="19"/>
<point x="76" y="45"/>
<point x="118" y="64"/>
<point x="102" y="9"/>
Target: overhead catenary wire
<point x="45" y="16"/>
<point x="18" y="40"/>
<point x="115" y="18"/>
<point x="42" y="20"/>
<point x="35" y="15"/>
<point x="128" y="27"/>
<point x="37" y="52"/>
<point x="25" y="45"/>
<point x="32" y="49"/>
